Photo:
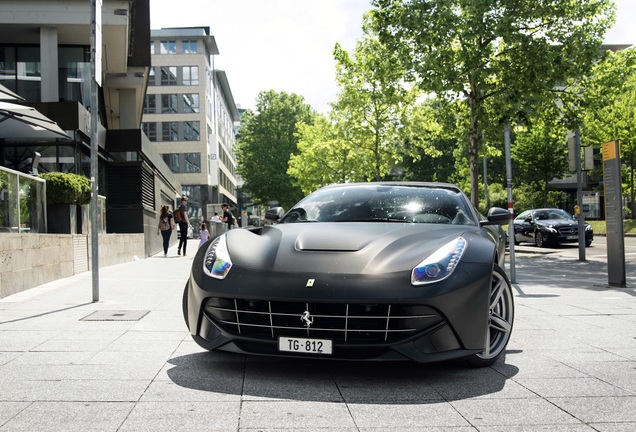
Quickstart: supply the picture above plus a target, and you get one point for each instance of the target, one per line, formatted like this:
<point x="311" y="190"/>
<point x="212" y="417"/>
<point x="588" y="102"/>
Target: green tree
<point x="373" y="103"/>
<point x="540" y="151"/>
<point x="610" y="95"/>
<point x="267" y="140"/>
<point x="516" y="52"/>
<point x="325" y="156"/>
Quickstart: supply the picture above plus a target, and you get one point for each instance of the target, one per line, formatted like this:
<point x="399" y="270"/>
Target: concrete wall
<point x="28" y="260"/>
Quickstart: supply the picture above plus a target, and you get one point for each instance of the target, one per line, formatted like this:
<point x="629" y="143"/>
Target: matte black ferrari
<point x="364" y="271"/>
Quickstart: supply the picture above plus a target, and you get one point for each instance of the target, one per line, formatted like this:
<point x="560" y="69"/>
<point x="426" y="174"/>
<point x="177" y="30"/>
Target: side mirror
<point x="274" y="214"/>
<point x="498" y="216"/>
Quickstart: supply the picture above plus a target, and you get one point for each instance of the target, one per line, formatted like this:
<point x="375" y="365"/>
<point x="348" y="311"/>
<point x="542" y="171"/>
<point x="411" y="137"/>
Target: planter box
<point x="61" y="218"/>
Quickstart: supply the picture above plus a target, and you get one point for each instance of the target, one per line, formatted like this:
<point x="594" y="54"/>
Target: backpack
<point x="164" y="224"/>
<point x="178" y="216"/>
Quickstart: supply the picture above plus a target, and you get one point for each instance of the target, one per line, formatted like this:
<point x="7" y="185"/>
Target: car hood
<point x="348" y="247"/>
<point x="559" y="223"/>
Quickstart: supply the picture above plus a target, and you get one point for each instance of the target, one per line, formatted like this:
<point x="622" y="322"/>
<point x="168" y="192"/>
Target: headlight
<point x="551" y="229"/>
<point x="588" y="227"/>
<point x="440" y="264"/>
<point x="217" y="262"/>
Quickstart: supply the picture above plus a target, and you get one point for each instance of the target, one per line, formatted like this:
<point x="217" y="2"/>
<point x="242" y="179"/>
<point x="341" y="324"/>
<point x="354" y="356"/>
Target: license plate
<point x="571" y="237"/>
<point x="303" y="345"/>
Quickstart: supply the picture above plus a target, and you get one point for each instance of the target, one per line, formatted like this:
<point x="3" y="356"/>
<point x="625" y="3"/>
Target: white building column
<point x="50" y="91"/>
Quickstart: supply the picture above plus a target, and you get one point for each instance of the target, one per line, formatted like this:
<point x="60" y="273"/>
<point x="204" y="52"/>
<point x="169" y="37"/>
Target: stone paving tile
<point x="200" y="391"/>
<point x="69" y="416"/>
<point x="604" y="409"/>
<point x="512" y="412"/>
<point x="536" y="365"/>
<point x="50" y="358"/>
<point x="420" y="429"/>
<point x="8" y="410"/>
<point x="304" y="382"/>
<point x="181" y="416"/>
<point x="295" y="415"/>
<point x="614" y="427"/>
<point x="571" y="387"/>
<point x="412" y="416"/>
<point x="539" y="428"/>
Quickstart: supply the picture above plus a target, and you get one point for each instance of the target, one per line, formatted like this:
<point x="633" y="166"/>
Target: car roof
<point x="395" y="183"/>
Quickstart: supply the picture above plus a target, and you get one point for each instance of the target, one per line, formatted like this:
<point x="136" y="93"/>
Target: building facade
<point x="45" y="57"/>
<point x="190" y="117"/>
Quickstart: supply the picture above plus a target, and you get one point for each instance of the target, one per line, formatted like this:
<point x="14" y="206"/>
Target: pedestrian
<point x="184" y="224"/>
<point x="204" y="235"/>
<point x="227" y="217"/>
<point x="215" y="218"/>
<point x="165" y="227"/>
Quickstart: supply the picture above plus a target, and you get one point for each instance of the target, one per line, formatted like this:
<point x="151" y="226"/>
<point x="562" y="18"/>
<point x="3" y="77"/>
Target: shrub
<point x="67" y="188"/>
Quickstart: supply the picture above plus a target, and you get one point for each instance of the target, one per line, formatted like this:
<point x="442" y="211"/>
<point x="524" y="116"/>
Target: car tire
<point x="184" y="306"/>
<point x="539" y="239"/>
<point x="500" y="320"/>
<point x="588" y="243"/>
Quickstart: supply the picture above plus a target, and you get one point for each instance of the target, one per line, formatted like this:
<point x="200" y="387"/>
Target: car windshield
<point x="383" y="203"/>
<point x="552" y="214"/>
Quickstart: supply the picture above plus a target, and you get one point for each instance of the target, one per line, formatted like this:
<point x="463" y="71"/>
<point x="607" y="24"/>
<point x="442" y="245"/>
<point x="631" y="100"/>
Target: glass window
<point x="29" y="75"/>
<point x="168" y="75"/>
<point x="150" y="129"/>
<point x="8" y="77"/>
<point x="168" y="103"/>
<point x="151" y="76"/>
<point x="168" y="47"/>
<point x="66" y="157"/>
<point x="189" y="47"/>
<point x="170" y="131"/>
<point x="74" y="73"/>
<point x="191" y="75"/>
<point x="152" y="47"/>
<point x="191" y="103"/>
<point x="193" y="162"/>
<point x="172" y="160"/>
<point x="191" y="131"/>
<point x="150" y="105"/>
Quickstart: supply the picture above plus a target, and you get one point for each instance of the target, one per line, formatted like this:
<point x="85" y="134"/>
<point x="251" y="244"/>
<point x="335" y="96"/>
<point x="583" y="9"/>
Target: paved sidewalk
<point x="127" y="363"/>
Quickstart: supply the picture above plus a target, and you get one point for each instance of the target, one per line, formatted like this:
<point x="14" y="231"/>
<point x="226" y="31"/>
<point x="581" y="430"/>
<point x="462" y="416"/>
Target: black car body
<point x="367" y="271"/>
<point x="549" y="226"/>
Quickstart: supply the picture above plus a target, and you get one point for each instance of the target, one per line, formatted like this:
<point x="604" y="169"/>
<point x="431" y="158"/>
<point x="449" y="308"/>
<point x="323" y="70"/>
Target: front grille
<point x="568" y="231"/>
<point x="340" y="322"/>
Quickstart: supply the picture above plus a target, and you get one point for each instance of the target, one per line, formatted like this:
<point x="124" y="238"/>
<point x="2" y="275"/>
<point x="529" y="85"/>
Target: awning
<point x="8" y="95"/>
<point x="23" y="122"/>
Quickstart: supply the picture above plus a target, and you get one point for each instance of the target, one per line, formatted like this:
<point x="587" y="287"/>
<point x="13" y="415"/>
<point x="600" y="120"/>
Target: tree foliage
<point x="325" y="156"/>
<point x="373" y="104"/>
<point x="611" y="97"/>
<point x="540" y="151"/>
<point x="511" y="52"/>
<point x="267" y="140"/>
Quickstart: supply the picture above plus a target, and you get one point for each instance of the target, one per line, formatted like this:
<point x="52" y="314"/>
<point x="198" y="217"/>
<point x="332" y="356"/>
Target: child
<point x="204" y="235"/>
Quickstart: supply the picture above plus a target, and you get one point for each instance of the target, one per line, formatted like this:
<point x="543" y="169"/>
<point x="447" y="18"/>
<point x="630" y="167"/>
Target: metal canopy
<point x="23" y="122"/>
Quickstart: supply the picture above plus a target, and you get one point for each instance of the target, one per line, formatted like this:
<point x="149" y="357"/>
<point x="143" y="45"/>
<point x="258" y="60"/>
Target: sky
<point x="287" y="45"/>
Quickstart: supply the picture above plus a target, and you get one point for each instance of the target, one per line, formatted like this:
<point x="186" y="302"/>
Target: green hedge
<point x="67" y="188"/>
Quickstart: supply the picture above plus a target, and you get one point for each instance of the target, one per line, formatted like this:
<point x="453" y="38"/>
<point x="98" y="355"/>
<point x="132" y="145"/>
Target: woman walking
<point x="165" y="227"/>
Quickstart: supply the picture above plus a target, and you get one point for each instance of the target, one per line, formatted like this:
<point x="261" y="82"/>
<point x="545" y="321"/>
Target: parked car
<point x="549" y="226"/>
<point x="366" y="271"/>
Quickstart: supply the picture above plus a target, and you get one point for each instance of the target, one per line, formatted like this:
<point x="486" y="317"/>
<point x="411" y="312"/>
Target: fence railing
<point x="22" y="202"/>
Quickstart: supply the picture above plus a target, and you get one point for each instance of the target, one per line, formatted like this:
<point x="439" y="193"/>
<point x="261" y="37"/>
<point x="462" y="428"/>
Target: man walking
<point x="184" y="224"/>
<point x="227" y="217"/>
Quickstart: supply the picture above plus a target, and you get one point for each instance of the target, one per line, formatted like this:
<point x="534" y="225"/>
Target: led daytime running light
<point x="440" y="264"/>
<point x="217" y="262"/>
